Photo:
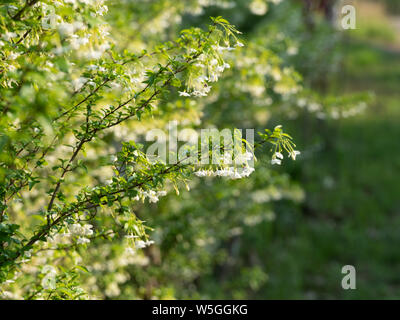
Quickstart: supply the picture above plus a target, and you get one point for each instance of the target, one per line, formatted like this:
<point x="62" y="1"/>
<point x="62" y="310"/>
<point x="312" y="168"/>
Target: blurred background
<point x="286" y="232"/>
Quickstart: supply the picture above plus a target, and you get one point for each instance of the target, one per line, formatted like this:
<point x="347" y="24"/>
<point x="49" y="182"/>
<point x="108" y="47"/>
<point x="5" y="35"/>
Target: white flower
<point x="47" y="269"/>
<point x="140" y="244"/>
<point x="76" y="41"/>
<point x="58" y="51"/>
<point x="28" y="253"/>
<point x="247" y="171"/>
<point x="75" y="228"/>
<point x="184" y="94"/>
<point x="302" y="102"/>
<point x="82" y="240"/>
<point x="102" y="10"/>
<point x="221" y="49"/>
<point x="87" y="229"/>
<point x="130" y="236"/>
<point x="243" y="157"/>
<point x="112" y="289"/>
<point x="220" y="69"/>
<point x="239" y="44"/>
<point x="13" y="55"/>
<point x="79" y="83"/>
<point x="91" y="84"/>
<point x="223" y="172"/>
<point x="66" y="29"/>
<point x="48" y="282"/>
<point x="129" y="250"/>
<point x="279" y="155"/>
<point x="276" y="74"/>
<point x="152" y="195"/>
<point x="276" y="161"/>
<point x="314" y="107"/>
<point x="230" y="172"/>
<point x="291" y="51"/>
<point x="162" y="193"/>
<point x="214" y="62"/>
<point x="103" y="32"/>
<point x="201" y="173"/>
<point x="203" y="91"/>
<point x="202" y="78"/>
<point x="93" y="54"/>
<point x="294" y="154"/>
<point x="78" y="25"/>
<point x="235" y="175"/>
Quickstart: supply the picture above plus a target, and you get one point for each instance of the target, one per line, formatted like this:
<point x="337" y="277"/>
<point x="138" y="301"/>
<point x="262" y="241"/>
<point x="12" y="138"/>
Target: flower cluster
<point x="207" y="68"/>
<point x="60" y="112"/>
<point x="334" y="107"/>
<point x="278" y="157"/>
<point x="230" y="172"/>
<point x="81" y="231"/>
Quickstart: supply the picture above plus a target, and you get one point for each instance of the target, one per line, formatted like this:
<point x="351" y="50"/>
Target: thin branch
<point x="28" y="4"/>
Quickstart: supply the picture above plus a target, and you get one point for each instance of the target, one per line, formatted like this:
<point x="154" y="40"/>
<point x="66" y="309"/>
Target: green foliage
<point x="86" y="213"/>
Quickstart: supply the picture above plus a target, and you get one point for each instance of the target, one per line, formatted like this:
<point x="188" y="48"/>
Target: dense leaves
<point x="82" y="83"/>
